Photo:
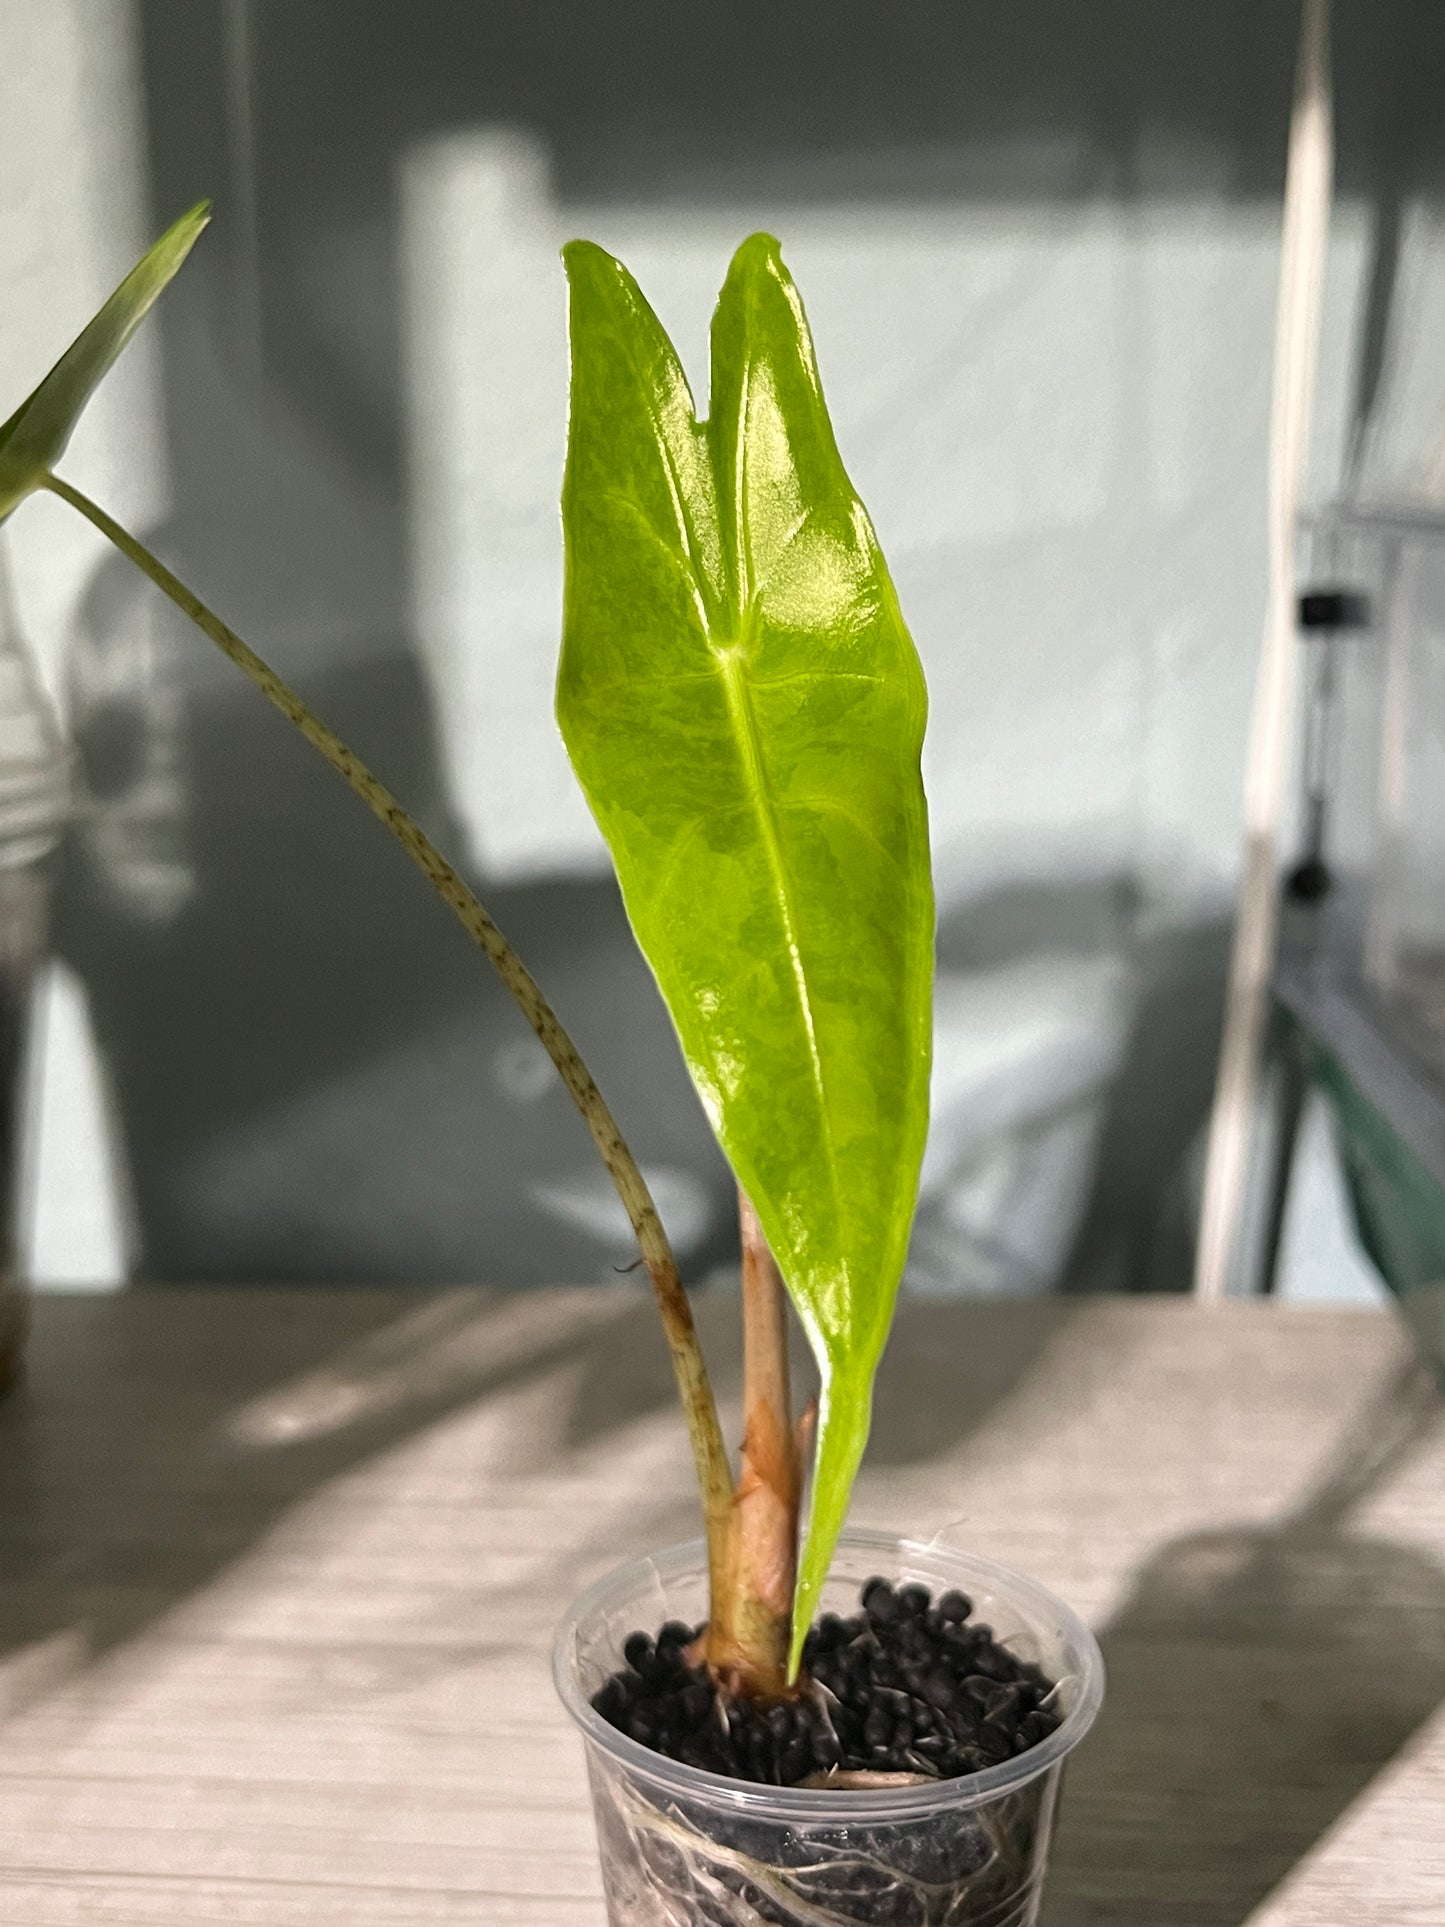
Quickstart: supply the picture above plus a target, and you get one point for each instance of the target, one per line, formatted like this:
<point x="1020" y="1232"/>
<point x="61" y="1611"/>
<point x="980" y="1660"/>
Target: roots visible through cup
<point x="674" y="1864"/>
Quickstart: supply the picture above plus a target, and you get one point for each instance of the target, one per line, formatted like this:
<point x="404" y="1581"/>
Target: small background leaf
<point x="745" y="711"/>
<point x="35" y="437"/>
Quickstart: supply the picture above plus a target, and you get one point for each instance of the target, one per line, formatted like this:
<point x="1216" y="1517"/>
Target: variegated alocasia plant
<point x="745" y="710"/>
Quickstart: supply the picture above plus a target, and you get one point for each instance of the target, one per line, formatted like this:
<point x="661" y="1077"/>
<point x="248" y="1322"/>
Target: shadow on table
<point x="150" y="1448"/>
<point x="1240" y="1655"/>
<point x="147" y="1448"/>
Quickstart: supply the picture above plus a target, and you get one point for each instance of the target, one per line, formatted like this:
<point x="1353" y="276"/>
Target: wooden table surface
<point x="278" y="1570"/>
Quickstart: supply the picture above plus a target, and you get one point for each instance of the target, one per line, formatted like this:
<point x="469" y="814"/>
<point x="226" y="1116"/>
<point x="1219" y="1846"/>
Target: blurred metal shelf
<point x="1391" y="1075"/>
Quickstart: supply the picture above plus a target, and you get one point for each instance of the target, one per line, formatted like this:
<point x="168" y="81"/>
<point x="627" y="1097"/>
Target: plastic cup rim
<point x="851" y="1806"/>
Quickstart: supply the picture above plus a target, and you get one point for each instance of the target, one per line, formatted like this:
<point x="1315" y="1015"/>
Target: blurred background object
<point x="34" y="794"/>
<point x="1361" y="977"/>
<point x="1039" y="246"/>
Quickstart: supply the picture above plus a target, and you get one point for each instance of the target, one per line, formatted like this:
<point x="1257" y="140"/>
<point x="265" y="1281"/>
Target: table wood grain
<point x="278" y="1570"/>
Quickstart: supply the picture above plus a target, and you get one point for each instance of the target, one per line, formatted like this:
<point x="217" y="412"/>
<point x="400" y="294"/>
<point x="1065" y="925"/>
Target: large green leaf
<point x="34" y="438"/>
<point x="745" y="711"/>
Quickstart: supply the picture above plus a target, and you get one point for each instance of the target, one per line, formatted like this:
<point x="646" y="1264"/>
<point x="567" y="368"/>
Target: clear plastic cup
<point x="680" y="1847"/>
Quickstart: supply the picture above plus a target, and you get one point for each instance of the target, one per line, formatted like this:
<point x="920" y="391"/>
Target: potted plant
<point x="783" y="1723"/>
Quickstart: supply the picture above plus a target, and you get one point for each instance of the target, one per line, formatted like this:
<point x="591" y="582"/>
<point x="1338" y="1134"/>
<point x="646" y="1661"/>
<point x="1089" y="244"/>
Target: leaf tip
<point x="183" y="234"/>
<point x="844" y="1417"/>
<point x="760" y="256"/>
<point x="585" y="258"/>
<point x="760" y="248"/>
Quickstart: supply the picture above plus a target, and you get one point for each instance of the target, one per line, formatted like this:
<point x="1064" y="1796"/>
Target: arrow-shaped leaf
<point x="745" y="711"/>
<point x="34" y="438"/>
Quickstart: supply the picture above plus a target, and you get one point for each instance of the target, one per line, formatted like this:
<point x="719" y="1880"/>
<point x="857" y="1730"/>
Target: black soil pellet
<point x="905" y="1685"/>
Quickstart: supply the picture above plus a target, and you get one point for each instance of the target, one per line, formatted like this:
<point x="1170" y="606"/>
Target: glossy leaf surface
<point x="35" y="437"/>
<point x="745" y="711"/>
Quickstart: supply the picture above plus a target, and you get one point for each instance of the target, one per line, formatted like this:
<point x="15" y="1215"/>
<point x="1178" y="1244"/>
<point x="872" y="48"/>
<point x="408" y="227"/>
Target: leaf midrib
<point x="728" y="660"/>
<point x="745" y="732"/>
